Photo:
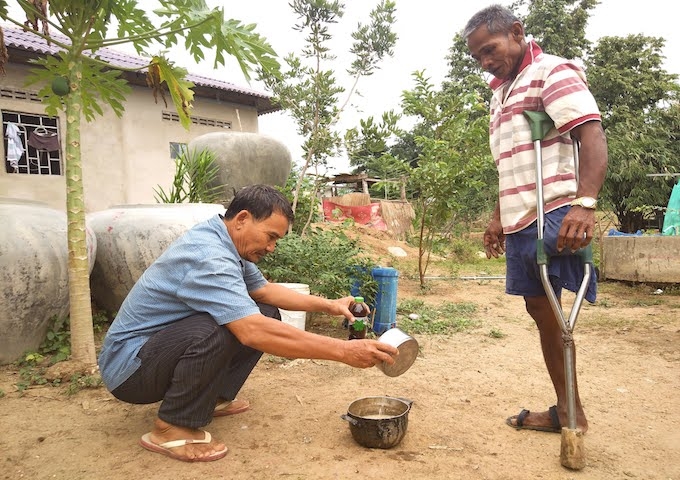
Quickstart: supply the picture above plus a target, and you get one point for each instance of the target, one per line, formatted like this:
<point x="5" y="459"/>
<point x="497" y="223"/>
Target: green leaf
<point x="180" y="89"/>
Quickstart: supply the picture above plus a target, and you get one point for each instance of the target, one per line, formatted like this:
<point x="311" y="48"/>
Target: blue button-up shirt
<point x="201" y="272"/>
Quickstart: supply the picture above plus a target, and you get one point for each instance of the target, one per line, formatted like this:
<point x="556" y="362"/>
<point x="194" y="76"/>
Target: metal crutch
<point x="572" y="452"/>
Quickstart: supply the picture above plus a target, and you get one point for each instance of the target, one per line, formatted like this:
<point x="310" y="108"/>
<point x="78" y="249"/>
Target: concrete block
<point x="653" y="259"/>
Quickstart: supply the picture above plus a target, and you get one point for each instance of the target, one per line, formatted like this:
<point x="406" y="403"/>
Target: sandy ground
<point x="463" y="386"/>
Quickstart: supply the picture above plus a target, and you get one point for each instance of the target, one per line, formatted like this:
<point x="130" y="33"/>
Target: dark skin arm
<point x="579" y="224"/>
<point x="494" y="238"/>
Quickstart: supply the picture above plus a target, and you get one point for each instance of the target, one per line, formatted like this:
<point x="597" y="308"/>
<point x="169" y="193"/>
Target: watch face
<point x="588" y="202"/>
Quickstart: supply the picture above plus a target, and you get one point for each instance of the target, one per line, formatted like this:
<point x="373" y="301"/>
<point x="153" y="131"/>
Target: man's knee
<point x="540" y="310"/>
<point x="537" y="306"/>
<point x="269" y="311"/>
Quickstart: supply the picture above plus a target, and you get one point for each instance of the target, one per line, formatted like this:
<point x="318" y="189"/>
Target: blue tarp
<point x="615" y="233"/>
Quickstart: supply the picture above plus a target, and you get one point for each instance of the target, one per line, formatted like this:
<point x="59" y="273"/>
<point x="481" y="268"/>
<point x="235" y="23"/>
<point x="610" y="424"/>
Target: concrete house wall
<point x="124" y="159"/>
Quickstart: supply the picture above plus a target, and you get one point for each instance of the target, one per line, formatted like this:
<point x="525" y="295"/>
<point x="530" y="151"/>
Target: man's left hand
<point x="577" y="229"/>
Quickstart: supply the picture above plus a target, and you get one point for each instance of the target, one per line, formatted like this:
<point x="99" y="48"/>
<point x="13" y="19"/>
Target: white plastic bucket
<point x="295" y="318"/>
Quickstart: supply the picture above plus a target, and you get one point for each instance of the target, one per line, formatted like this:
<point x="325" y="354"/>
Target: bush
<point x="326" y="260"/>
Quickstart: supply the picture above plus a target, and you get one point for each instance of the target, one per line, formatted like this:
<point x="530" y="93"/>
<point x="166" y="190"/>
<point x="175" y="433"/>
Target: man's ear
<point x="242" y="217"/>
<point x="517" y="31"/>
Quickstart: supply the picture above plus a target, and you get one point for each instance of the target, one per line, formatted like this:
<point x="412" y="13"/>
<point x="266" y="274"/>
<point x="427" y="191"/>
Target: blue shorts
<point x="564" y="269"/>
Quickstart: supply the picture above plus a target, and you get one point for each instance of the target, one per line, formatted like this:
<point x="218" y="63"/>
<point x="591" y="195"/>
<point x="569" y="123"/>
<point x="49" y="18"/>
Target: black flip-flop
<point x="519" y="421"/>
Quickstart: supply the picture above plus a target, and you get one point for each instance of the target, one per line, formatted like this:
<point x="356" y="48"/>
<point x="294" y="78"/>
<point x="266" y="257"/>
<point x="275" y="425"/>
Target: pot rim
<point x="408" y="403"/>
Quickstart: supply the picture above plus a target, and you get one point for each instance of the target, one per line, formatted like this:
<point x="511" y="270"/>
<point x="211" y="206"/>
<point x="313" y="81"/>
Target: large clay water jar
<point x="245" y="159"/>
<point x="131" y="237"/>
<point x="33" y="273"/>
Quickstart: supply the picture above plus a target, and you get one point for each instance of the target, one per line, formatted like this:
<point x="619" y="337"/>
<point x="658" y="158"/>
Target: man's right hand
<point x="368" y="353"/>
<point x="494" y="239"/>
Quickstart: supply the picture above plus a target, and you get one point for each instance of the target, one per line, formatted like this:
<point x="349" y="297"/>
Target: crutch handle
<point x="540" y="124"/>
<point x="586" y="254"/>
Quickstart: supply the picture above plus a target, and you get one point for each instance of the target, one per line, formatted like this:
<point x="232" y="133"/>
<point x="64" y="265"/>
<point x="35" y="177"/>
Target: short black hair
<point x="261" y="201"/>
<point x="497" y="18"/>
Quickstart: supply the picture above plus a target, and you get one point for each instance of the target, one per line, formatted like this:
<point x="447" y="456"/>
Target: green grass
<point x="443" y="318"/>
<point x="496" y="333"/>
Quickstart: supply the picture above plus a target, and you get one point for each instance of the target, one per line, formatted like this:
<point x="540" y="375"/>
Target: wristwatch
<point x="585" y="202"/>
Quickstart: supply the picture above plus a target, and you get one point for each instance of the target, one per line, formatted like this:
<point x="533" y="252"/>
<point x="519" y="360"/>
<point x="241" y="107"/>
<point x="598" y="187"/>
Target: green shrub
<point x="326" y="260"/>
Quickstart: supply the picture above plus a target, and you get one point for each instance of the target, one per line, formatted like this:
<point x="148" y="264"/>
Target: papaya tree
<point x="79" y="84"/>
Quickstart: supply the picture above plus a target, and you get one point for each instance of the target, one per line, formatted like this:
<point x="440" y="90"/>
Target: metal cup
<point x="408" y="351"/>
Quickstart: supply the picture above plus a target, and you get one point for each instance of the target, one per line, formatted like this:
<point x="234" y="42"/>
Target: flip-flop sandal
<point x="517" y="421"/>
<point x="165" y="448"/>
<point x="231" y="407"/>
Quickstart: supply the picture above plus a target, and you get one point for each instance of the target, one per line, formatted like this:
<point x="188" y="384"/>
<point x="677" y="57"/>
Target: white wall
<point x="123" y="159"/>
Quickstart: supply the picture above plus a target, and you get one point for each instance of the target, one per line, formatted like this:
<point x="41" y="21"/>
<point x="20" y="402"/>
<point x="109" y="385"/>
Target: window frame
<point x="32" y="162"/>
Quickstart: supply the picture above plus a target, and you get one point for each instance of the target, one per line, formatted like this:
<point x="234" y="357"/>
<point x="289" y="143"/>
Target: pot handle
<point x="349" y="419"/>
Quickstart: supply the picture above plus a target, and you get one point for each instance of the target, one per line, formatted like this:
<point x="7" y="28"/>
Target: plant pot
<point x="131" y="237"/>
<point x="33" y="273"/>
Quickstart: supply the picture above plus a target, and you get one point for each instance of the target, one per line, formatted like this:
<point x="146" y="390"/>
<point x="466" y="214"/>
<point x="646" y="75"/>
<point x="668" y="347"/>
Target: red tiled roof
<point x="23" y="40"/>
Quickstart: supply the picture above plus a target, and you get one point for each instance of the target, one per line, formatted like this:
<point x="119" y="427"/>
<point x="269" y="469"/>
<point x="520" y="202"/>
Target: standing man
<point x="528" y="79"/>
<point x="195" y="324"/>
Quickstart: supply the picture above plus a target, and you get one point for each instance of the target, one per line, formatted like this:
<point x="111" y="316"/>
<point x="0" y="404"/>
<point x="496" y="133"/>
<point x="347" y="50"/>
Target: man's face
<point x="499" y="54"/>
<point x="254" y="239"/>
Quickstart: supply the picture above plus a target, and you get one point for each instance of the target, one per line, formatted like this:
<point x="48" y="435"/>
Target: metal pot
<point x="378" y="422"/>
<point x="408" y="351"/>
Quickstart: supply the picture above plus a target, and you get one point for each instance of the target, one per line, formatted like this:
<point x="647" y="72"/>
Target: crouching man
<point x="197" y="321"/>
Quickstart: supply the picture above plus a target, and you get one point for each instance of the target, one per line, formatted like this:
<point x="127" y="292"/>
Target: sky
<point x="425" y="30"/>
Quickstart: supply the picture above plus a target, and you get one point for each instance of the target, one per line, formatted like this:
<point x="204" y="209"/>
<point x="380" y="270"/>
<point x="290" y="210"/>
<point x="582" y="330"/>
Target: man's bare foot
<point x="186" y="444"/>
<point x="551" y="420"/>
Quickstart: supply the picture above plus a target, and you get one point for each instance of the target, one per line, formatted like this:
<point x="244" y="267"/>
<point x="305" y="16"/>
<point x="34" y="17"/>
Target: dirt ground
<point x="463" y="386"/>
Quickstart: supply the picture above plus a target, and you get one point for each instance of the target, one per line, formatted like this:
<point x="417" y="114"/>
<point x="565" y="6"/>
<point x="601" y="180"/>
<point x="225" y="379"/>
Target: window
<point x="176" y="149"/>
<point x="39" y="151"/>
<point x="196" y="120"/>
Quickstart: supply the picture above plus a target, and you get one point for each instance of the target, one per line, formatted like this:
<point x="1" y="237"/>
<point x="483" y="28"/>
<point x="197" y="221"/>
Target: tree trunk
<point x="82" y="334"/>
<point x="298" y="184"/>
<point x="422" y="266"/>
<point x="312" y="208"/>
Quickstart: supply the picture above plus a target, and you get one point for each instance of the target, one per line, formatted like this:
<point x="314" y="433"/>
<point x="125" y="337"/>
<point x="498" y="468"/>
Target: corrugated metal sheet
<point x="23" y="40"/>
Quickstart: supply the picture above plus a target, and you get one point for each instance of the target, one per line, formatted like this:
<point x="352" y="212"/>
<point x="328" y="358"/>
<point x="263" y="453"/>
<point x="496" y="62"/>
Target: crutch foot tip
<point x="572" y="451"/>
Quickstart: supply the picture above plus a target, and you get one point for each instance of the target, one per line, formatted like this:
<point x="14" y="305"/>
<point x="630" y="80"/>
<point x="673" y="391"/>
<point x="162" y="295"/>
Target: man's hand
<point x="340" y="306"/>
<point x="577" y="229"/>
<point x="367" y="353"/>
<point x="494" y="239"/>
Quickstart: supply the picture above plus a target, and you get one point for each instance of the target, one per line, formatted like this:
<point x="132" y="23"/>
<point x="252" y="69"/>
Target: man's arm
<point x="593" y="158"/>
<point x="579" y="224"/>
<point x="288" y="299"/>
<point x="494" y="238"/>
<point x="278" y="338"/>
